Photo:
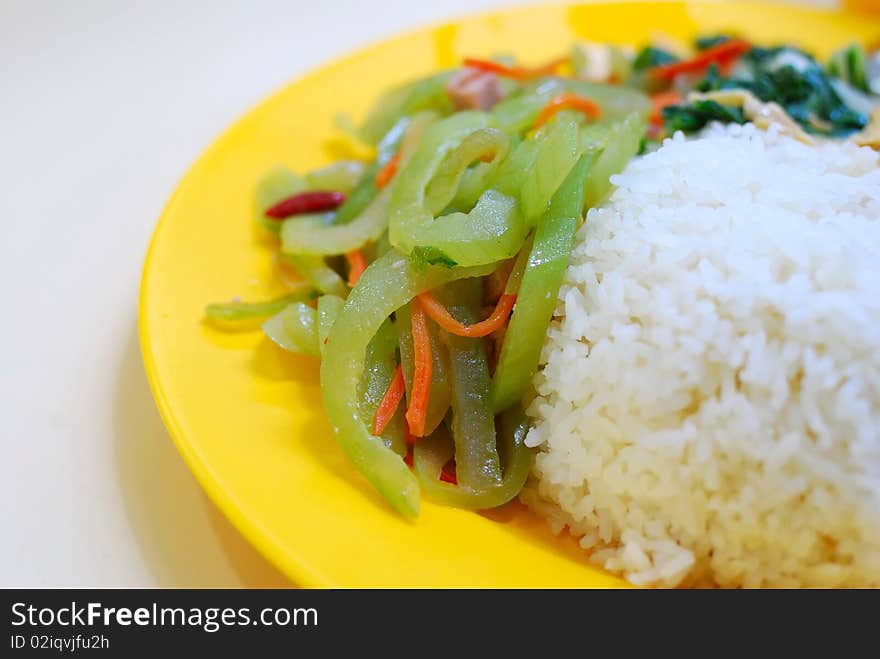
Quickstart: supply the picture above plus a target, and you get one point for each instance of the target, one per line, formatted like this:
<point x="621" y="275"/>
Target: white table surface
<point x="103" y="105"/>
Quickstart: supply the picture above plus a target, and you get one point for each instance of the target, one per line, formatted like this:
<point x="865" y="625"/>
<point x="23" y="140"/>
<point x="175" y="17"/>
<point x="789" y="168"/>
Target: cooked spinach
<point x="704" y="43"/>
<point x="649" y="57"/>
<point x="694" y="116"/>
<point x="789" y="77"/>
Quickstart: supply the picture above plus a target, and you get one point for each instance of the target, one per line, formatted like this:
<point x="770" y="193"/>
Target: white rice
<point x="709" y="407"/>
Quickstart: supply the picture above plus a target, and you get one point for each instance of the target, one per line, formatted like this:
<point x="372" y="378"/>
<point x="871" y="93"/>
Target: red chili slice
<point x="724" y="54"/>
<point x="314" y="201"/>
<point x="447" y="474"/>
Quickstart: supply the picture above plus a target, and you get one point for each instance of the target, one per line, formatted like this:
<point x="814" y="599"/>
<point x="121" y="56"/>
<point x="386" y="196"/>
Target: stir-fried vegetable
<point x="438" y="396"/>
<point x="388" y="283"/>
<point x="382" y="375"/>
<point x="295" y="329"/>
<point x="433" y="453"/>
<point x="833" y="103"/>
<point x="540" y="284"/>
<point x="245" y="311"/>
<point x="329" y="307"/>
<point x="849" y="64"/>
<point x="426" y="277"/>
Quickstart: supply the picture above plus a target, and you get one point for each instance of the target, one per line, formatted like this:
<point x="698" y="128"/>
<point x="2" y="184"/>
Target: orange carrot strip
<point x="722" y="53"/>
<point x="421" y="385"/>
<point x="387" y="172"/>
<point x="661" y="100"/>
<point x="408" y="437"/>
<point x="446" y="321"/>
<point x="568" y="101"/>
<point x="514" y="71"/>
<point x="489" y="66"/>
<point x="388" y="407"/>
<point x="357" y="264"/>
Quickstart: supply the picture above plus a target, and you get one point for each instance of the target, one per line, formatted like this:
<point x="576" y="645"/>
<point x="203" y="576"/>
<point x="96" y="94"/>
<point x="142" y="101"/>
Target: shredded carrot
<point x="724" y="53"/>
<point x="387" y="172"/>
<point x="514" y="71"/>
<point x="568" y="101"/>
<point x="445" y="320"/>
<point x="388" y="407"/>
<point x="408" y="437"/>
<point x="408" y="458"/>
<point x="421" y="386"/>
<point x="661" y="100"/>
<point x="357" y="264"/>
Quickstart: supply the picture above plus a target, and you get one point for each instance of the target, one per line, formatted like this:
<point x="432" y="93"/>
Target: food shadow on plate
<point x="184" y="539"/>
<point x="271" y="362"/>
<point x="519" y="521"/>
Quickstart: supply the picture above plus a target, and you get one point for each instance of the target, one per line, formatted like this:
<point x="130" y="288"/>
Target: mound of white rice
<point x="709" y="406"/>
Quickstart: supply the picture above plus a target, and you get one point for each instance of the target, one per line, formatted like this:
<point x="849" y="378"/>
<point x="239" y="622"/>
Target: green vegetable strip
<point x="295" y="329"/>
<point x="418" y="96"/>
<point x="849" y="65"/>
<point x="365" y="190"/>
<point x="341" y="176"/>
<point x="386" y="285"/>
<point x="276" y="184"/>
<point x="309" y="235"/>
<point x="618" y="149"/>
<point x="380" y="366"/>
<point x="519" y="267"/>
<point x="616" y="101"/>
<point x="518" y="113"/>
<point x="390" y="143"/>
<point x="474" y="181"/>
<point x="316" y="271"/>
<point x="483" y="143"/>
<point x="557" y="153"/>
<point x="409" y="214"/>
<point x="539" y="287"/>
<point x="492" y="231"/>
<point x="241" y="311"/>
<point x="512" y="172"/>
<point x="477" y="466"/>
<point x="432" y="453"/>
<point x="329" y="307"/>
<point x="440" y="394"/>
<point x="360" y="197"/>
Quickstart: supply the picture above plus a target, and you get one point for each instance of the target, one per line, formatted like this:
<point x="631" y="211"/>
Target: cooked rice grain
<point x="708" y="411"/>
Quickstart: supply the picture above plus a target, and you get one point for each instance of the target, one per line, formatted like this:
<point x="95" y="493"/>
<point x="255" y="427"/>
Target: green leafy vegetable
<point x="649" y="57"/>
<point x="704" y="43"/>
<point x="693" y="117"/>
<point x="794" y="80"/>
<point x="422" y="256"/>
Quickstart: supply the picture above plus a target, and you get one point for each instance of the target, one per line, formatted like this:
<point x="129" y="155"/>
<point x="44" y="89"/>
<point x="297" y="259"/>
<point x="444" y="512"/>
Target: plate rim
<point x="293" y="566"/>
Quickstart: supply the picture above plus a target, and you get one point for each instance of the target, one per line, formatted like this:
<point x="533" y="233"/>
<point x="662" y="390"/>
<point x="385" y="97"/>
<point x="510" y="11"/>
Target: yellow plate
<point x="247" y="418"/>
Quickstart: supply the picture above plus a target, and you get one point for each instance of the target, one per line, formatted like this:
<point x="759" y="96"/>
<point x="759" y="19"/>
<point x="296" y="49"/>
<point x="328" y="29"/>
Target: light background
<point x="103" y="105"/>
